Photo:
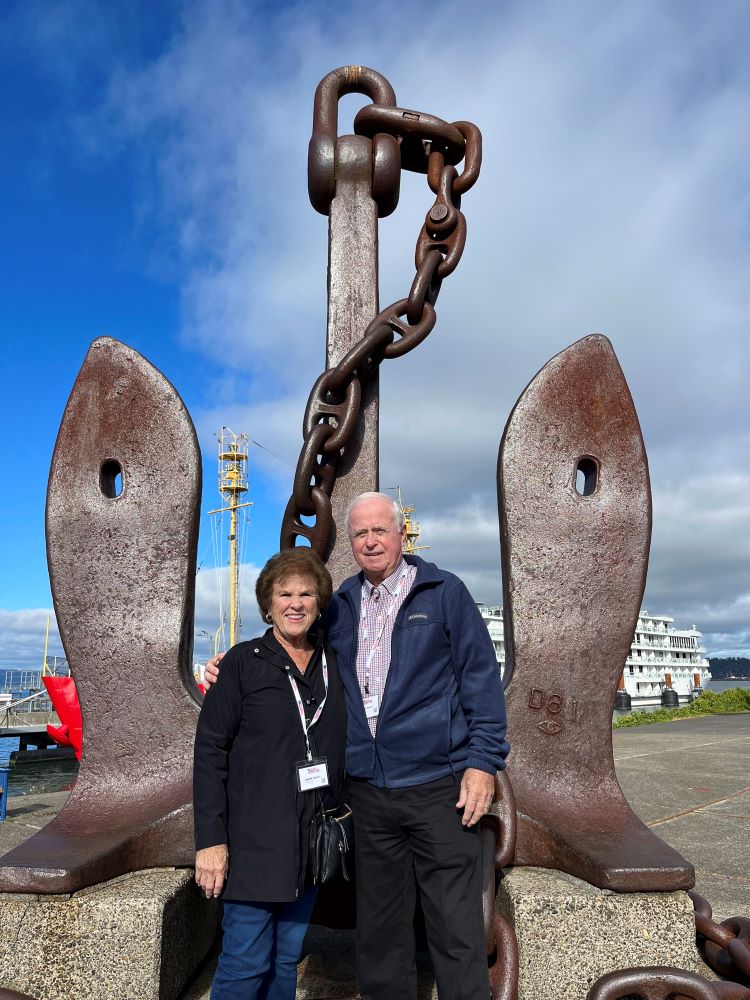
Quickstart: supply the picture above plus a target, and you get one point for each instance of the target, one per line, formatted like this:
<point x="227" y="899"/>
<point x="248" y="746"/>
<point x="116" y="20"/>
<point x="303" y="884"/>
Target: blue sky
<point x="153" y="189"/>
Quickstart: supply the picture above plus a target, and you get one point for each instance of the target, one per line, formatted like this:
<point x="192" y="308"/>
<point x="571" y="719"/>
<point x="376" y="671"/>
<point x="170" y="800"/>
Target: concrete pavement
<point x="690" y="781"/>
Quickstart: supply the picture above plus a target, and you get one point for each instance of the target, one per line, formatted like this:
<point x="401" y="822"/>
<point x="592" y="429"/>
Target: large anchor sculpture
<point x="575" y="522"/>
<point x="122" y="526"/>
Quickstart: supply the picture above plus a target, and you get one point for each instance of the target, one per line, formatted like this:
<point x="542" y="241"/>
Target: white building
<point x="493" y="617"/>
<point x="660" y="656"/>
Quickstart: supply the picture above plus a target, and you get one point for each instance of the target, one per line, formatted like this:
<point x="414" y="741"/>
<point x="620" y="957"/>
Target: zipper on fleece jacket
<point x="377" y="763"/>
<point x="399" y="617"/>
<point x="396" y="621"/>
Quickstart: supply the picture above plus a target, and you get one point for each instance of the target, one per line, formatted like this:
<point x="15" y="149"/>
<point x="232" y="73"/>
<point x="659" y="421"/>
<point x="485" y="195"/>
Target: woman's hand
<point x="211" y="670"/>
<point x="211" y="866"/>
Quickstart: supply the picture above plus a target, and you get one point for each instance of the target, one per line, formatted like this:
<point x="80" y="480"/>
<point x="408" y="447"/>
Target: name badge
<point x="372" y="705"/>
<point x="312" y="774"/>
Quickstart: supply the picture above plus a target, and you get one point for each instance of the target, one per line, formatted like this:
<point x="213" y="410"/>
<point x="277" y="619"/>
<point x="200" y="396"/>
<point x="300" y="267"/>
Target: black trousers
<point x="407" y="838"/>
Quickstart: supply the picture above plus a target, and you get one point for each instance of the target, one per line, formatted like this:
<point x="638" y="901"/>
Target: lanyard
<point x="378" y="637"/>
<point x="307" y="726"/>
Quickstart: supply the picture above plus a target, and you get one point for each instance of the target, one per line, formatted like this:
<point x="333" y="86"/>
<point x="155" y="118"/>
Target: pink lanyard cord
<point x="307" y="726"/>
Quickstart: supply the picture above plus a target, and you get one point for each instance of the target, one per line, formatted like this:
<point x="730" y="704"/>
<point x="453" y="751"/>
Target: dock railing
<point x="39" y="711"/>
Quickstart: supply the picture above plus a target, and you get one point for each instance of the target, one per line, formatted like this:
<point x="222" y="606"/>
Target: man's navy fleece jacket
<point x="442" y="708"/>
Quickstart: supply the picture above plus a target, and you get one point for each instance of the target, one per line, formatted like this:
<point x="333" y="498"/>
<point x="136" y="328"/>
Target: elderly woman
<point x="269" y="746"/>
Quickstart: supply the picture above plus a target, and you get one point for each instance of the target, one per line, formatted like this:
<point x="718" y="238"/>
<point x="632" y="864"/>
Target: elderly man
<point x="426" y="734"/>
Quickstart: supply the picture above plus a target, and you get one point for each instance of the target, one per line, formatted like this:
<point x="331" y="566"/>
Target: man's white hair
<point x="398" y="514"/>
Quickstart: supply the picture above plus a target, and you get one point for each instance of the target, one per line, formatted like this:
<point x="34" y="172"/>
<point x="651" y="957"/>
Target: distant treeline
<point x="729" y="666"/>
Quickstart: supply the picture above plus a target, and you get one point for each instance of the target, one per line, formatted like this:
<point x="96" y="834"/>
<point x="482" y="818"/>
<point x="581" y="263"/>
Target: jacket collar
<point x="271" y="649"/>
<point x="427" y="573"/>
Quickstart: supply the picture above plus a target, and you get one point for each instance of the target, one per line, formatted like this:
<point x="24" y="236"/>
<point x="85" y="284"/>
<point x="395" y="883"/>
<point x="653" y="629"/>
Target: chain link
<point x="428" y="145"/>
<point x="658" y="983"/>
<point x="504" y="970"/>
<point x="725" y="946"/>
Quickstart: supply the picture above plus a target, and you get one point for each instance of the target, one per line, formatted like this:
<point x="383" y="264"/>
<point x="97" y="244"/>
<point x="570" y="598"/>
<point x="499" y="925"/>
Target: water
<point x="30" y="778"/>
<point x="719" y="686"/>
<point x="35" y="777"/>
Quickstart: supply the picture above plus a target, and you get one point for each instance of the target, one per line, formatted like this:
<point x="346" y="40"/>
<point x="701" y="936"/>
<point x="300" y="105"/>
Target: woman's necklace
<point x="300" y="656"/>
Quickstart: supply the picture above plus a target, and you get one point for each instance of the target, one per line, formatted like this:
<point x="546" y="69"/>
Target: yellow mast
<point x="413" y="528"/>
<point x="45" y="668"/>
<point x="233" y="452"/>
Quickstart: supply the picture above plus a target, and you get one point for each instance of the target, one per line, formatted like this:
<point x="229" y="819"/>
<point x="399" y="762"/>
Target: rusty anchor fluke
<point x="575" y="522"/>
<point x="122" y="569"/>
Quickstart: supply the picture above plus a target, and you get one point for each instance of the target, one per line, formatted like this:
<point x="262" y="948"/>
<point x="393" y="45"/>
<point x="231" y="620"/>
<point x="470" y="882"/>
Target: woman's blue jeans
<point x="262" y="945"/>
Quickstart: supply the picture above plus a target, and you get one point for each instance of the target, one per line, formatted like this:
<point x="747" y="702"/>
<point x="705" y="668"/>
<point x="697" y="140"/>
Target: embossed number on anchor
<point x="555" y="704"/>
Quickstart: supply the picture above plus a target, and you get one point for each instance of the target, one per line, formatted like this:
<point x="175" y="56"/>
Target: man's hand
<point x="477" y="793"/>
<point x="211" y="866"/>
<point x="211" y="670"/>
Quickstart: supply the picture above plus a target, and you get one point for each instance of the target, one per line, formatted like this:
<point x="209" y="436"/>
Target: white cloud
<point x="22" y="638"/>
<point x="22" y="631"/>
<point x="701" y="554"/>
<point x="212" y="608"/>
<point x="614" y="198"/>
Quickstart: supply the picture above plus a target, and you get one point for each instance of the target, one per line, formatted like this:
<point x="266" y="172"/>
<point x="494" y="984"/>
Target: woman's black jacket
<point x="248" y="741"/>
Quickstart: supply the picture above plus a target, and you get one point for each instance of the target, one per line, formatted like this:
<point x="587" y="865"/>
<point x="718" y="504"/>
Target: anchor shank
<point x="352" y="303"/>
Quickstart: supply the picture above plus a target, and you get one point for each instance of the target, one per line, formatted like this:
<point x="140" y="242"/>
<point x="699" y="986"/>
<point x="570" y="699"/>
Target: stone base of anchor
<point x="137" y="937"/>
<point x="570" y="932"/>
<point x="143" y="936"/>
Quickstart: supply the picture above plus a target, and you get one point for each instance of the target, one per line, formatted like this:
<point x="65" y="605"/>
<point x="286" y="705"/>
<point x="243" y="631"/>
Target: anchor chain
<point x="662" y="983"/>
<point x="499" y="830"/>
<point x="428" y="145"/>
<point x="504" y="971"/>
<point x="725" y="946"/>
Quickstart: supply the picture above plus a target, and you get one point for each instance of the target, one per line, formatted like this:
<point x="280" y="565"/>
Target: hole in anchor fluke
<point x="587" y="476"/>
<point x="110" y="478"/>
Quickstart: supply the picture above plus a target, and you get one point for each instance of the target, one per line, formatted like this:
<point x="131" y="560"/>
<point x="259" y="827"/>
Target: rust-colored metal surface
<point x="122" y="569"/>
<point x="352" y="303"/>
<point x="725" y="946"/>
<point x="730" y="991"/>
<point x="351" y="179"/>
<point x="355" y="178"/>
<point x="504" y="970"/>
<point x="498" y="846"/>
<point x="652" y="983"/>
<point x="575" y="516"/>
<point x="323" y="153"/>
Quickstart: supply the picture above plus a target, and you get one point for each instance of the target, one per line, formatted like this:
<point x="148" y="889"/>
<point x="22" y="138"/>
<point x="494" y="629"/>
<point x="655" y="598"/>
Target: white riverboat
<point x="660" y="657"/>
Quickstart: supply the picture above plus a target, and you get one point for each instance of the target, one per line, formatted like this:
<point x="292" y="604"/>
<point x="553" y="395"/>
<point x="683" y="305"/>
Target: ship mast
<point x="413" y="528"/>
<point x="45" y="668"/>
<point x="233" y="484"/>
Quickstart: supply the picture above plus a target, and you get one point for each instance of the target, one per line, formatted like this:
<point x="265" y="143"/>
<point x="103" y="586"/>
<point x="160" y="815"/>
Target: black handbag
<point x="332" y="844"/>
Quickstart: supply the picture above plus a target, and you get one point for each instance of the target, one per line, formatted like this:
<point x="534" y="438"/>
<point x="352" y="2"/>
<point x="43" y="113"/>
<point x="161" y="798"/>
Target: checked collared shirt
<point x="378" y="610"/>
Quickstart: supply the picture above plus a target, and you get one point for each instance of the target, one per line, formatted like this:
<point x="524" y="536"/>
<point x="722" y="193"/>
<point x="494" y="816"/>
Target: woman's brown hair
<point x="293" y="562"/>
